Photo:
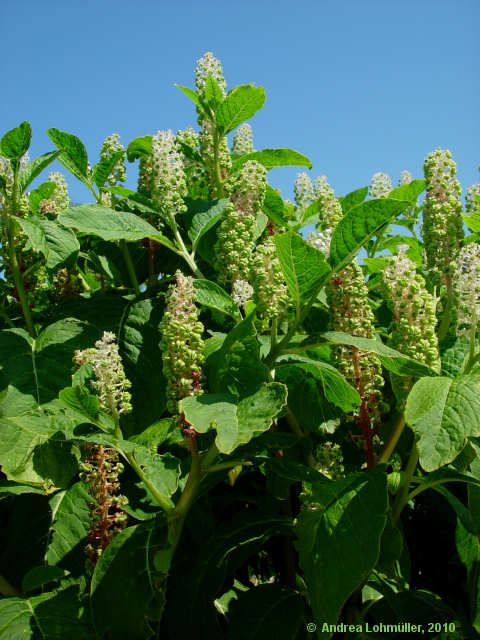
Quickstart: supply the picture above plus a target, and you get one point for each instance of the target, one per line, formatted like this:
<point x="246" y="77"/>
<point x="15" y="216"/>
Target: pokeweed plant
<point x="213" y="427"/>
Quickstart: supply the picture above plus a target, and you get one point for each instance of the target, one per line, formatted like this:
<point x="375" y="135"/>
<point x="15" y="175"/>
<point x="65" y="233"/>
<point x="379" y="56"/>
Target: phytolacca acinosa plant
<point x="350" y="312"/>
<point x="414" y="320"/>
<point x="101" y="466"/>
<point x="182" y="345"/>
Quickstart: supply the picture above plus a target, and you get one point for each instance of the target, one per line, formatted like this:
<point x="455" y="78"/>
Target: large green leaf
<point x="267" y="612"/>
<point x="271" y="158"/>
<point x="273" y="206"/>
<point x="241" y="104"/>
<point x="29" y="172"/>
<point x="49" y="616"/>
<point x="97" y="220"/>
<point x="139" y="147"/>
<point x="15" y="143"/>
<point x="103" y="169"/>
<point x="124" y="588"/>
<point x="210" y="294"/>
<point x="70" y="522"/>
<point x="334" y="386"/>
<point x="409" y="191"/>
<point x="24" y="454"/>
<point x="58" y="245"/>
<point x="86" y="406"/>
<point x="236" y="422"/>
<point x="74" y="150"/>
<point x="42" y="192"/>
<point x="352" y="199"/>
<point x="304" y="267"/>
<point x="359" y="224"/>
<point x="339" y="540"/>
<point x="443" y="413"/>
<point x="205" y="220"/>
<point x="33" y="371"/>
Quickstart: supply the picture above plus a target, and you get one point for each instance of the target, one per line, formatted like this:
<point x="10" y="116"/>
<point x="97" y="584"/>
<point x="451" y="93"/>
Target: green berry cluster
<point x="6" y="172"/>
<point x="100" y="471"/>
<point x="196" y="173"/>
<point x="380" y="185"/>
<point x="271" y="292"/>
<point x="442" y="227"/>
<point x="110" y="146"/>
<point x="329" y="460"/>
<point x="181" y="342"/>
<point x="111" y="384"/>
<point x="467" y="286"/>
<point x="350" y="312"/>
<point x="236" y="235"/>
<point x="414" y="319"/>
<point x="472" y="199"/>
<point x="243" y="140"/>
<point x="331" y="210"/>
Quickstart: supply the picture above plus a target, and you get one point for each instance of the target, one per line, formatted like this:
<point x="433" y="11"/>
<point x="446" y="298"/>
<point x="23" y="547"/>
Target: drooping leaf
<point x="358" y="225"/>
<point x="125" y="580"/>
<point x="30" y="171"/>
<point x="273" y="206"/>
<point x="40" y="576"/>
<point x="267" y="612"/>
<point x="241" y="104"/>
<point x="304" y="267"/>
<point x="339" y="540"/>
<point x="15" y="143"/>
<point x="11" y="488"/>
<point x="73" y="149"/>
<point x="48" y="616"/>
<point x="443" y="413"/>
<point x="236" y="422"/>
<point x="87" y="406"/>
<point x="98" y="220"/>
<point x="210" y="294"/>
<point x="139" y="147"/>
<point x="271" y="158"/>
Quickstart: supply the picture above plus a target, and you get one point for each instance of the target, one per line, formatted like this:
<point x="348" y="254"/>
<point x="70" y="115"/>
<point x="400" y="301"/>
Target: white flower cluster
<point x="331" y="209"/>
<point x="471" y="204"/>
<point x="111" y="383"/>
<point x="243" y="140"/>
<point x="207" y="65"/>
<point x="380" y="185"/>
<point x="168" y="181"/>
<point x="468" y="289"/>
<point x="110" y="146"/>
<point x="303" y="189"/>
<point x="405" y="177"/>
<point x="321" y="240"/>
<point x="242" y="292"/>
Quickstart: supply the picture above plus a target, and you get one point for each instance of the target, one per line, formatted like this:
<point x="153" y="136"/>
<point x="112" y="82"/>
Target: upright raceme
<point x="243" y="140"/>
<point x="467" y="284"/>
<point x="380" y="185"/>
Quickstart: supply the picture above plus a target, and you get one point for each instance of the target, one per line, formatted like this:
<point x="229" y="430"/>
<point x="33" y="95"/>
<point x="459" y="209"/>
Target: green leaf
<point x="74" y="150"/>
<point x="162" y="471"/>
<point x="70" y="522"/>
<point x="236" y="422"/>
<point x="36" y="236"/>
<point x="271" y="158"/>
<point x="358" y="225"/>
<point x="339" y="540"/>
<point x="267" y="612"/>
<point x="205" y="220"/>
<point x="139" y="147"/>
<point x="455" y="354"/>
<point x="273" y="206"/>
<point x="104" y="168"/>
<point x="19" y="438"/>
<point x="40" y="576"/>
<point x="190" y="93"/>
<point x="210" y="294"/>
<point x="62" y="245"/>
<point x="32" y="372"/>
<point x="123" y="589"/>
<point x="391" y="359"/>
<point x="352" y="199"/>
<point x="42" y="192"/>
<point x="213" y="93"/>
<point x="304" y="267"/>
<point x="409" y="191"/>
<point x="15" y="143"/>
<point x="241" y="104"/>
<point x="333" y="384"/>
<point x="79" y="400"/>
<point x="164" y="430"/>
<point x="10" y="488"/>
<point x="473" y="221"/>
<point x="97" y="220"/>
<point x="443" y="413"/>
<point x="29" y="172"/>
<point x="49" y="616"/>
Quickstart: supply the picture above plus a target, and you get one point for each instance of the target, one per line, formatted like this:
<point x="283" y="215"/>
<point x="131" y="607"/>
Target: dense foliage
<point x="214" y="427"/>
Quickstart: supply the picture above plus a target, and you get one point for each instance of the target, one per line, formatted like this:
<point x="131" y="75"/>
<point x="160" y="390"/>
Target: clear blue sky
<point x="359" y="86"/>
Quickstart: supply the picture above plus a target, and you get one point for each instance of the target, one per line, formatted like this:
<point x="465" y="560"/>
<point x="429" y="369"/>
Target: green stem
<point x="447" y="315"/>
<point x="209" y="457"/>
<point x="130" y="267"/>
<point x="162" y="501"/>
<point x="6" y="318"/>
<point x="218" y="175"/>
<point x="397" y="431"/>
<point x="188" y="257"/>
<point x="227" y="465"/>
<point x="402" y="495"/>
<point x="189" y="493"/>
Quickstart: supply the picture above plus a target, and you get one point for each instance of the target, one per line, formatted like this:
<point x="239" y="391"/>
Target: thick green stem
<point x="189" y="493"/>
<point x="402" y="495"/>
<point x="447" y="315"/>
<point x="188" y="257"/>
<point x="397" y="431"/>
<point x="218" y="175"/>
<point x="130" y="267"/>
